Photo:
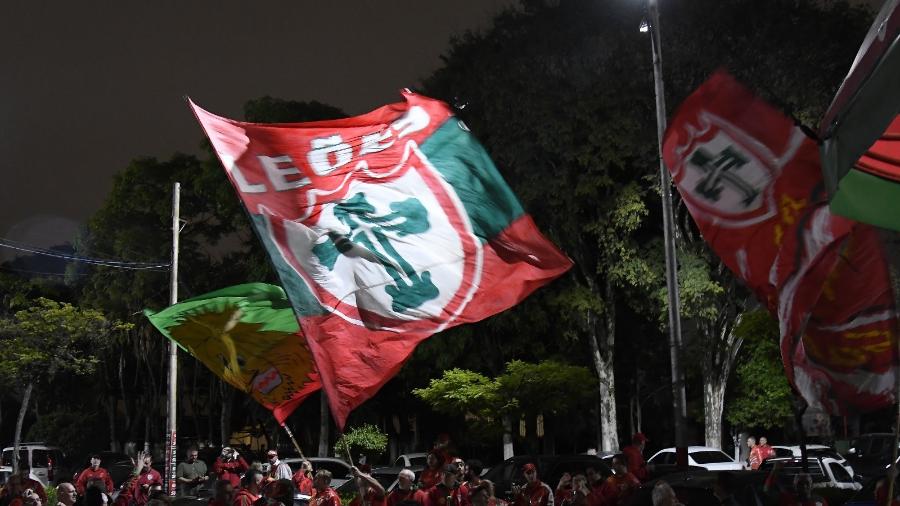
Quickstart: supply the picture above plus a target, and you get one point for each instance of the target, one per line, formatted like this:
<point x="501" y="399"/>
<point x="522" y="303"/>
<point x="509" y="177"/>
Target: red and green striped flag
<point x="384" y="229"/>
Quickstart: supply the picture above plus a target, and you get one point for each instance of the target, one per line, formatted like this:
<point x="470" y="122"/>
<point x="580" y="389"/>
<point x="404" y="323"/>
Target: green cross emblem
<point x="369" y="231"/>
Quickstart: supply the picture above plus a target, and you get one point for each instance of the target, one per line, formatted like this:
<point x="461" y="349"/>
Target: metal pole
<point x="665" y="187"/>
<point x="172" y="441"/>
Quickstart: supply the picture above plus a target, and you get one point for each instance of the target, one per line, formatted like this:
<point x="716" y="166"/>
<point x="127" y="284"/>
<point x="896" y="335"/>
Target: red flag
<point x="752" y="181"/>
<point x="384" y="229"/>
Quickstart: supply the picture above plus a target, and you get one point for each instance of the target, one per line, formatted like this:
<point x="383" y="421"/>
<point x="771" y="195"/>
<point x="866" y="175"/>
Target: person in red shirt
<point x="635" y="455"/>
<point x="445" y="492"/>
<point x="535" y="492"/>
<point x="473" y="479"/>
<point x="251" y="488"/>
<point x="224" y="494"/>
<point x="325" y="495"/>
<point x="145" y="478"/>
<point x="483" y="495"/>
<point x="765" y="451"/>
<point x="881" y="489"/>
<point x="594" y="479"/>
<point x="618" y="488"/>
<point x="404" y="490"/>
<point x="564" y="490"/>
<point x="431" y="475"/>
<point x="19" y="483"/>
<point x="94" y="471"/>
<point x="371" y="493"/>
<point x="753" y="460"/>
<point x="229" y="466"/>
<point x="303" y="478"/>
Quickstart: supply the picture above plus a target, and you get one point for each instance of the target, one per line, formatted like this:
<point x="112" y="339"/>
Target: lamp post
<point x="665" y="187"/>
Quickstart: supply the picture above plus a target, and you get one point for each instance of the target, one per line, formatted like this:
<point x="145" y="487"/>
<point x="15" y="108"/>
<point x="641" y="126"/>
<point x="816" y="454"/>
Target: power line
<point x="117" y="264"/>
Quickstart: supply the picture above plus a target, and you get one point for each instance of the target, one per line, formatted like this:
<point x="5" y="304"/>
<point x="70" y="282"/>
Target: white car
<point x="814" y="451"/>
<point x="824" y="471"/>
<point x="712" y="459"/>
<point x="414" y="461"/>
<point x="45" y="461"/>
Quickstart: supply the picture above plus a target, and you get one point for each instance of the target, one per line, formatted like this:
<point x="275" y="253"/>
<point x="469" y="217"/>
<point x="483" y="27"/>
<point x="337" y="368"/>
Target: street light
<point x="665" y="187"/>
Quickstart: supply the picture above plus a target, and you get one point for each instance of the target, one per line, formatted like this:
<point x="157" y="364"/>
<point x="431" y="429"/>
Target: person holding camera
<point x="535" y="492"/>
<point x="229" y="466"/>
<point x="191" y="474"/>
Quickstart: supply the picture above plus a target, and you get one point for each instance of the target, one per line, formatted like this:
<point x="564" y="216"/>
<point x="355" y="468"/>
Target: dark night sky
<point x="87" y="86"/>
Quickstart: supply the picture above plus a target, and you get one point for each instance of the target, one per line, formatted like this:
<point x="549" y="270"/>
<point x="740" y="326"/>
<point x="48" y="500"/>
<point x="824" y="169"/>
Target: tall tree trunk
<point x="602" y="341"/>
<point x="713" y="404"/>
<point x="17" y="437"/>
<point x="508" y="452"/>
<point x="324" y="425"/>
<point x="721" y="352"/>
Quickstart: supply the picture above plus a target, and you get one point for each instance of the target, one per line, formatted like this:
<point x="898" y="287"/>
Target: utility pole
<point x="171" y="439"/>
<point x="665" y="187"/>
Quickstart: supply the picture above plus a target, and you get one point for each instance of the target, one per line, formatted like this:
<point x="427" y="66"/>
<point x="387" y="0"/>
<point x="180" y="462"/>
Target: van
<point x="46" y="461"/>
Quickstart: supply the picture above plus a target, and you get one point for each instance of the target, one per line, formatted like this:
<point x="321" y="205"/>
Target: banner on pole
<point x="384" y="229"/>
<point x="248" y="336"/>
<point x="752" y="181"/>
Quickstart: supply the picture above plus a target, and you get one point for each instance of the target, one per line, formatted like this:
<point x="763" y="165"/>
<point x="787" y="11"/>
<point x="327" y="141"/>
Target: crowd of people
<point x="447" y="480"/>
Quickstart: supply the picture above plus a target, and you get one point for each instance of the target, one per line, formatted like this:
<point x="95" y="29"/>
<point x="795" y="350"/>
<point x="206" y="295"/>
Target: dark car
<point x="550" y="469"/>
<point x="870" y="454"/>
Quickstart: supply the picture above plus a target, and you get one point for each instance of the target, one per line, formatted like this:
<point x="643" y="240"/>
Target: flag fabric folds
<point x="248" y="336"/>
<point x="384" y="229"/>
<point x="752" y="181"/>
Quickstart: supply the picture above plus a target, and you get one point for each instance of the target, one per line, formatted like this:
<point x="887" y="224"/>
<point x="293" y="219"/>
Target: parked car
<point x="711" y="459"/>
<point x="814" y="451"/>
<point x="550" y="469"/>
<point x="869" y="454"/>
<point x="413" y="461"/>
<point x="824" y="471"/>
<point x="47" y="462"/>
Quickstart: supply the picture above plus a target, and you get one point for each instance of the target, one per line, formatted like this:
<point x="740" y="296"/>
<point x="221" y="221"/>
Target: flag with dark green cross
<point x="384" y="229"/>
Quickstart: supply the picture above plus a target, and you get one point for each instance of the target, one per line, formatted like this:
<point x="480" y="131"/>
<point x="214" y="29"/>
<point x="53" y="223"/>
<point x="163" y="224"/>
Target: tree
<point x="366" y="438"/>
<point x="524" y="390"/>
<point x="47" y="339"/>
<point x="762" y="393"/>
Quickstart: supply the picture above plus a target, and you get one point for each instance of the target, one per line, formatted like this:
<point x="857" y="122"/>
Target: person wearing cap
<point x="535" y="492"/>
<point x="473" y="479"/>
<point x="278" y="470"/>
<point x="229" y="466"/>
<point x="94" y="471"/>
<point x="404" y="491"/>
<point x="446" y="491"/>
<point x="635" y="455"/>
<point x="618" y="488"/>
<point x="371" y="493"/>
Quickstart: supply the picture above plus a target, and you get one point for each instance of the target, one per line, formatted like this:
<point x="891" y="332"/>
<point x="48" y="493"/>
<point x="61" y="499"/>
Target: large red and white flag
<point x="384" y="229"/>
<point x="752" y="182"/>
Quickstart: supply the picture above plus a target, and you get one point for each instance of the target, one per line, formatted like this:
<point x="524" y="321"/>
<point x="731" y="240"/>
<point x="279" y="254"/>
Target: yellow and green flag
<point x="247" y="335"/>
